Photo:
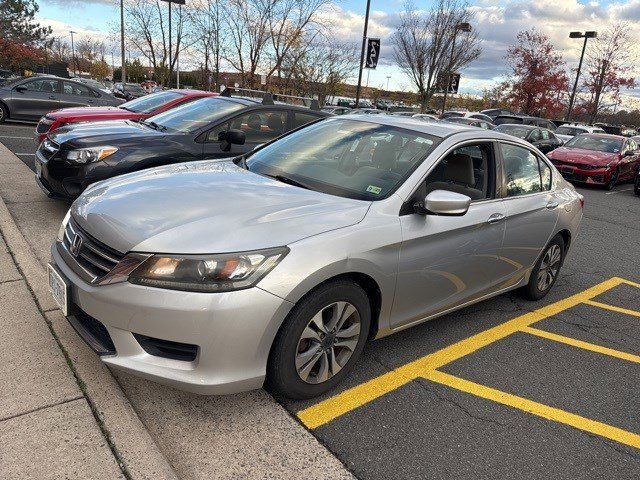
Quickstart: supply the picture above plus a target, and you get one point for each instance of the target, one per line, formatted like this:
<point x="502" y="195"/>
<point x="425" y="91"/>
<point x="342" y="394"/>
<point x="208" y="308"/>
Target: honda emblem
<point x="76" y="245"/>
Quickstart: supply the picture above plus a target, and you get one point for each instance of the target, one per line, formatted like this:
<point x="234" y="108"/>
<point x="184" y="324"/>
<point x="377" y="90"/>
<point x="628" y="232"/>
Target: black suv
<point x="73" y="157"/>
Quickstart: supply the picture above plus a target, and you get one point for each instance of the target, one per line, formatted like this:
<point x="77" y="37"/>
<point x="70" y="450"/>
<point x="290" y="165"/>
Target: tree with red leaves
<point x="609" y="69"/>
<point x="538" y="82"/>
<point x="21" y="36"/>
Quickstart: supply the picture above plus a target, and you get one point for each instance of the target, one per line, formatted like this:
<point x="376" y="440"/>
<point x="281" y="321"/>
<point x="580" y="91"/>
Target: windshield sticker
<point x="374" y="189"/>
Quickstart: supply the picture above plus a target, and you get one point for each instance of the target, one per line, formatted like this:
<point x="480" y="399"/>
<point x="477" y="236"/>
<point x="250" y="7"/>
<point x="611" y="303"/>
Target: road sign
<point x="454" y="83"/>
<point x="373" y="52"/>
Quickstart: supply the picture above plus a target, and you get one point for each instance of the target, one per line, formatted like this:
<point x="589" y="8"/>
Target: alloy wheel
<point x="549" y="267"/>
<point x="327" y="342"/>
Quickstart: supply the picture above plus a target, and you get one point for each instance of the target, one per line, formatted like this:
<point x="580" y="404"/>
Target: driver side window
<point x="259" y="126"/>
<point x="467" y="170"/>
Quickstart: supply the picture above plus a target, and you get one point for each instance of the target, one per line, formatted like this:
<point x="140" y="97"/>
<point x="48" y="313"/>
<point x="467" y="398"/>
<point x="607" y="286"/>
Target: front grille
<point x="92" y="331"/>
<point x="167" y="349"/>
<point x="93" y="257"/>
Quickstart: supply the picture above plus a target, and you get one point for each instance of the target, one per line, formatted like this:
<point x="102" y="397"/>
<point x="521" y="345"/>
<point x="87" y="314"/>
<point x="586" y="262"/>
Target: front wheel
<point x="613" y="180"/>
<point x="545" y="273"/>
<point x="4" y="113"/>
<point x="636" y="185"/>
<point x="320" y="341"/>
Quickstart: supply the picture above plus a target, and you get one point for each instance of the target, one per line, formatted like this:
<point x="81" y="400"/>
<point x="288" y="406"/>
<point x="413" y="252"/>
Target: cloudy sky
<point x="497" y="22"/>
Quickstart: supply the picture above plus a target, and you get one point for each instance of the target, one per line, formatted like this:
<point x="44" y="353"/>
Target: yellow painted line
<point x="332" y="408"/>
<point x="535" y="408"/>
<point x="613" y="308"/>
<point x="629" y="282"/>
<point x="584" y="345"/>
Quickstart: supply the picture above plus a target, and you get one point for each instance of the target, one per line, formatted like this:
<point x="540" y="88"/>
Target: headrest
<point x="384" y="155"/>
<point x="459" y="169"/>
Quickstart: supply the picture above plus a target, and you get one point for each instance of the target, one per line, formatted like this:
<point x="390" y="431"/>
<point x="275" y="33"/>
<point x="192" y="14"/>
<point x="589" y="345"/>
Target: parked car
<point x="368" y="111"/>
<point x="494" y="112"/>
<point x="569" y="130"/>
<point x="135" y="110"/>
<point x="458" y="114"/>
<point x="336" y="110"/>
<point x="426" y="117"/>
<point x="543" y="139"/>
<point x="636" y="183"/>
<point x="524" y="120"/>
<point x="407" y="113"/>
<point x="212" y="276"/>
<point x="471" y="121"/>
<point x="129" y="91"/>
<point x="29" y="98"/>
<point x="94" y="83"/>
<point x="73" y="157"/>
<point x="598" y="158"/>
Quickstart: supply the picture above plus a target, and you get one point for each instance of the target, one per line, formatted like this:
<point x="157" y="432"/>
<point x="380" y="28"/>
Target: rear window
<point x="149" y="103"/>
<point x="515" y="130"/>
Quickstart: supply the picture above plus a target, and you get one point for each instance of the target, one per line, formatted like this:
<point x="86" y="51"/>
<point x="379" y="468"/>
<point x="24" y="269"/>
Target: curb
<point x="135" y="450"/>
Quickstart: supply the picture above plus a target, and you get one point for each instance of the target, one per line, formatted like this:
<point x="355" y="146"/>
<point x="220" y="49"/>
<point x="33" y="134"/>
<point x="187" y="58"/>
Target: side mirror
<point x="20" y="88"/>
<point x="444" y="202"/>
<point x="233" y="136"/>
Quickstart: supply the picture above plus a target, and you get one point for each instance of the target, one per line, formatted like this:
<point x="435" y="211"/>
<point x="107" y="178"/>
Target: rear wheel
<point x="546" y="270"/>
<point x="320" y="341"/>
<point x="4" y="113"/>
<point x="636" y="185"/>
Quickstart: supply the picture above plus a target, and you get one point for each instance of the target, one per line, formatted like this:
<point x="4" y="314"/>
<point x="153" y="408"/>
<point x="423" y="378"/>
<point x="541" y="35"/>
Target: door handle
<point x="495" y="218"/>
<point x="553" y="204"/>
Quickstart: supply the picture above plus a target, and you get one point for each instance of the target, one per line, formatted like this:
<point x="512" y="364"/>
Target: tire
<point x="636" y="185"/>
<point x="536" y="289"/>
<point x="300" y="366"/>
<point x="4" y="113"/>
<point x="614" y="180"/>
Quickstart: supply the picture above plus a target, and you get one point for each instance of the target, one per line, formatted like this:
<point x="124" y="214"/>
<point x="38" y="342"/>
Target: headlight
<point x="207" y="273"/>
<point x="93" y="154"/>
<point x="63" y="225"/>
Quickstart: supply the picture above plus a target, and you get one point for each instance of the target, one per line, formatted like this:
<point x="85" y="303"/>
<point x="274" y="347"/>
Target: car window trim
<point x="497" y="176"/>
<point x="539" y="156"/>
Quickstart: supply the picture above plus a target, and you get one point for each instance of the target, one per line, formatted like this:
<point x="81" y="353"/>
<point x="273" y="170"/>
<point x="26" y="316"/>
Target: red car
<point x="597" y="158"/>
<point x="136" y="110"/>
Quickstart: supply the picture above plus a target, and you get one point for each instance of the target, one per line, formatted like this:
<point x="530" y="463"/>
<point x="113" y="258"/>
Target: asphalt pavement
<point x="506" y="388"/>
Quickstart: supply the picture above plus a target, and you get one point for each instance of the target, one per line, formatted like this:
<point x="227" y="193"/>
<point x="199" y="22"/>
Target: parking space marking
<point x="16" y="138"/>
<point x="584" y="345"/>
<point x="535" y="408"/>
<point x="426" y="367"/>
<point x="613" y="308"/>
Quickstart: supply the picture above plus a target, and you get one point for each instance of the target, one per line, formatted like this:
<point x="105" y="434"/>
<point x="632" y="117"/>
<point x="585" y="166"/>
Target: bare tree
<point x="206" y="31"/>
<point x="148" y="27"/>
<point x="609" y="63"/>
<point x="422" y="44"/>
<point x="321" y="70"/>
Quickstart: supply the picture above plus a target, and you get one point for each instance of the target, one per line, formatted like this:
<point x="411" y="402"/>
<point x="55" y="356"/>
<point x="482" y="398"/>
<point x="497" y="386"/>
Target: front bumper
<point x="596" y="176"/>
<point x="233" y="331"/>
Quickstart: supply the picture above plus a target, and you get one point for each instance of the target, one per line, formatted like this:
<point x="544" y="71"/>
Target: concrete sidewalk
<point x="47" y="429"/>
<point x="152" y="431"/>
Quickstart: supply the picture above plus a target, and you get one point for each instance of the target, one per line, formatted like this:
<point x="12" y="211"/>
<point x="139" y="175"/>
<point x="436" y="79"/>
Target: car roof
<point x="257" y="102"/>
<point x="604" y="135"/>
<point x="436" y="129"/>
<point x="191" y="91"/>
<point x="520" y="125"/>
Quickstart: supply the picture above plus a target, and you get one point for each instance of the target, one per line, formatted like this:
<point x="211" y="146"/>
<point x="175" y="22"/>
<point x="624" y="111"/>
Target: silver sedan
<point x="217" y="276"/>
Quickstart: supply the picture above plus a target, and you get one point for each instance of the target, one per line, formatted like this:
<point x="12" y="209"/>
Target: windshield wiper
<point x="289" y="181"/>
<point x="242" y="162"/>
<point x="155" y="126"/>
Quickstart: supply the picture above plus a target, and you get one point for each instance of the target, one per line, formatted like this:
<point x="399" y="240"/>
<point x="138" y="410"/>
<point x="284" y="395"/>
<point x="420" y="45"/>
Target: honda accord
<point x="214" y="276"/>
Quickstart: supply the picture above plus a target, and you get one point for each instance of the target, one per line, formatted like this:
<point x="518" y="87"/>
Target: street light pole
<point x="169" y="44"/>
<point x="460" y="27"/>
<point x="123" y="68"/>
<point x="586" y="36"/>
<point x="73" y="54"/>
<point x="364" y="43"/>
<point x="388" y="78"/>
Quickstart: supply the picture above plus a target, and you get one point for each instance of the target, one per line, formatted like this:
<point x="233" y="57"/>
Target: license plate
<point x="59" y="288"/>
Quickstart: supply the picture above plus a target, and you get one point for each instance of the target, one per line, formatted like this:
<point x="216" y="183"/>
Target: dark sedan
<point x="541" y="138"/>
<point x="73" y="157"/>
<point x="31" y="97"/>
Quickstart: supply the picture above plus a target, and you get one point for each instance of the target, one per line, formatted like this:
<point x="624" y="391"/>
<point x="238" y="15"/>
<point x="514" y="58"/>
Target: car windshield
<point x="194" y="115"/>
<point x="515" y="130"/>
<point x="599" y="144"/>
<point x="151" y="102"/>
<point x="348" y="158"/>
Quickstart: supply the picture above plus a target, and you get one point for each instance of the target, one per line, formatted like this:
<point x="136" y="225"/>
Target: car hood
<point x="207" y="207"/>
<point x="578" y="155"/>
<point x="103" y="133"/>
<point x="106" y="113"/>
